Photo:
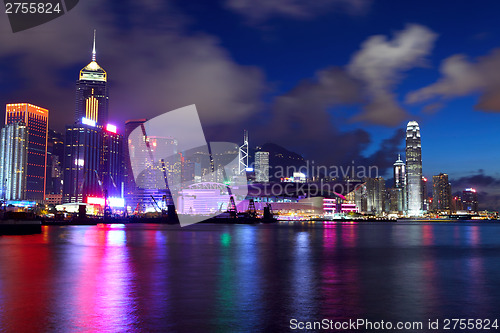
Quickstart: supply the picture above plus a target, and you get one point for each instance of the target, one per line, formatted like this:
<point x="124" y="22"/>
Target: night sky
<point x="333" y="80"/>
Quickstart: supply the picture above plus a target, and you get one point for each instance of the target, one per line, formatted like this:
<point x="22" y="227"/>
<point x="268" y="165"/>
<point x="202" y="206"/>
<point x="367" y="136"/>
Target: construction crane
<point x="107" y="209"/>
<point x="169" y="201"/>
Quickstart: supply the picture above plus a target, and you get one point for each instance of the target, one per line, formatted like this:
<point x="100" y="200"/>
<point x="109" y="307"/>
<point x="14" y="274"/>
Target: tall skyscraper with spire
<point x="93" y="149"/>
<point x="92" y="92"/>
<point x="399" y="190"/>
<point x="413" y="169"/>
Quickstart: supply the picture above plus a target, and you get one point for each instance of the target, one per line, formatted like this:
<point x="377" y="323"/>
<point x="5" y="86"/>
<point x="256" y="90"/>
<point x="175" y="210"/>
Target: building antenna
<point x="93" y="49"/>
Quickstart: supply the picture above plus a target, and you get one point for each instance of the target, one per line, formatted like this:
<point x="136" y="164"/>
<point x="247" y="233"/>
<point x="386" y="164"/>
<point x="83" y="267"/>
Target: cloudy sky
<point x="333" y="80"/>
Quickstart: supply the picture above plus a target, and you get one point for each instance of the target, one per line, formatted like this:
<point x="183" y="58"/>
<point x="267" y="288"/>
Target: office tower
<point x="360" y="194"/>
<point x="441" y="192"/>
<point x="456" y="204"/>
<point x="425" y="195"/>
<point x="55" y="156"/>
<point x="375" y="195"/>
<point x="81" y="163"/>
<point x="93" y="163"/>
<point x="413" y="170"/>
<point x="111" y="161"/>
<point x="13" y="161"/>
<point x="92" y="92"/>
<point x="395" y="196"/>
<point x="150" y="183"/>
<point x="36" y="120"/>
<point x="130" y="187"/>
<point x="398" y="196"/>
<point x="243" y="154"/>
<point x="262" y="166"/>
<point x="469" y="200"/>
<point x="93" y="160"/>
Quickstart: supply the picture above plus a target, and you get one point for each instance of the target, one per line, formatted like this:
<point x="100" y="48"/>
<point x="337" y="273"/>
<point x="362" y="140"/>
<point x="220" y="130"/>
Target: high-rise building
<point x="469" y="200"/>
<point x="398" y="196"/>
<point x="130" y="187"/>
<point x="441" y="192"/>
<point x="140" y="189"/>
<point x="13" y="161"/>
<point x="425" y="195"/>
<point x="81" y="162"/>
<point x="111" y="161"/>
<point x="36" y="120"/>
<point x="262" y="166"/>
<point x="413" y="169"/>
<point x="93" y="160"/>
<point x="375" y="195"/>
<point x="92" y="92"/>
<point x="55" y="157"/>
<point x="456" y="204"/>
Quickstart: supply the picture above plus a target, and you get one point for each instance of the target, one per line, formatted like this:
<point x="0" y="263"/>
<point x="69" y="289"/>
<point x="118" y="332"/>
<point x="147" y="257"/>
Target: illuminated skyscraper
<point x="81" y="162"/>
<point x="262" y="166"/>
<point x="469" y="200"/>
<point x="92" y="92"/>
<point x="425" y="195"/>
<point x="140" y="189"/>
<point x="375" y="195"/>
<point x="413" y="169"/>
<point x="93" y="164"/>
<point x="398" y="194"/>
<point x="35" y="119"/>
<point x="131" y="196"/>
<point x="13" y="161"/>
<point x="441" y="192"/>
<point x="55" y="157"/>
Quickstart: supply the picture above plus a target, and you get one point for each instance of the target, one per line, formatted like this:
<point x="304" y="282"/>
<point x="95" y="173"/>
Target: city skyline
<point x="249" y="165"/>
<point x="468" y="156"/>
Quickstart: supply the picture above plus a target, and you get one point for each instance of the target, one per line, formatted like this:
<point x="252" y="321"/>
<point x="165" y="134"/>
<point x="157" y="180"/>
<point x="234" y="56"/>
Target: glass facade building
<point x="441" y="193"/>
<point x="35" y="119"/>
<point x="262" y="166"/>
<point x="93" y="164"/>
<point x="13" y="157"/>
<point x="413" y="170"/>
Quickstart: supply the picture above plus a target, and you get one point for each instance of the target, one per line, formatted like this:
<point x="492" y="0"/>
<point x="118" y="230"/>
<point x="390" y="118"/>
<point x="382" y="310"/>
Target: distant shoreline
<point x="227" y="222"/>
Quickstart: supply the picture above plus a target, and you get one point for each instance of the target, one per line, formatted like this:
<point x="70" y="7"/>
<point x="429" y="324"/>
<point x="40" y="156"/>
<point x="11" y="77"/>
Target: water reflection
<point x="244" y="278"/>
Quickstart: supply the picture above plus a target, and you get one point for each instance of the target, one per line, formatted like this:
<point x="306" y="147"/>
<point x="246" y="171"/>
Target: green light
<point x="225" y="239"/>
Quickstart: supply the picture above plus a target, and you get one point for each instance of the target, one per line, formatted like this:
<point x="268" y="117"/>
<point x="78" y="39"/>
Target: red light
<point x="95" y="201"/>
<point x="111" y="128"/>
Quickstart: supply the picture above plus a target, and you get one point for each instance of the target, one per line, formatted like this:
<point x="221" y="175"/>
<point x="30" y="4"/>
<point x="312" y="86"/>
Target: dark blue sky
<point x="310" y="76"/>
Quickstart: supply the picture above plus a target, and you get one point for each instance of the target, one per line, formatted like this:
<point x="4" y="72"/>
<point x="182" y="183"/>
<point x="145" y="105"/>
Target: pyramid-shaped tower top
<point x="93" y="72"/>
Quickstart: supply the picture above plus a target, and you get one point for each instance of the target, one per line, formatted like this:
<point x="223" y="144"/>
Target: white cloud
<point x="461" y="77"/>
<point x="380" y="64"/>
<point x="153" y="63"/>
<point x="261" y="10"/>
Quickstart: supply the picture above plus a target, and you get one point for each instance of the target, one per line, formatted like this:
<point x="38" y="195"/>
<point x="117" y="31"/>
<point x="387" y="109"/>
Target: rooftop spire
<point x="93" y="49"/>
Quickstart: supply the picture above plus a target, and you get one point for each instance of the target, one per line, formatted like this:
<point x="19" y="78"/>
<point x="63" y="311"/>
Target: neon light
<point x="116" y="202"/>
<point x="95" y="201"/>
<point x="111" y="128"/>
<point x="87" y="121"/>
